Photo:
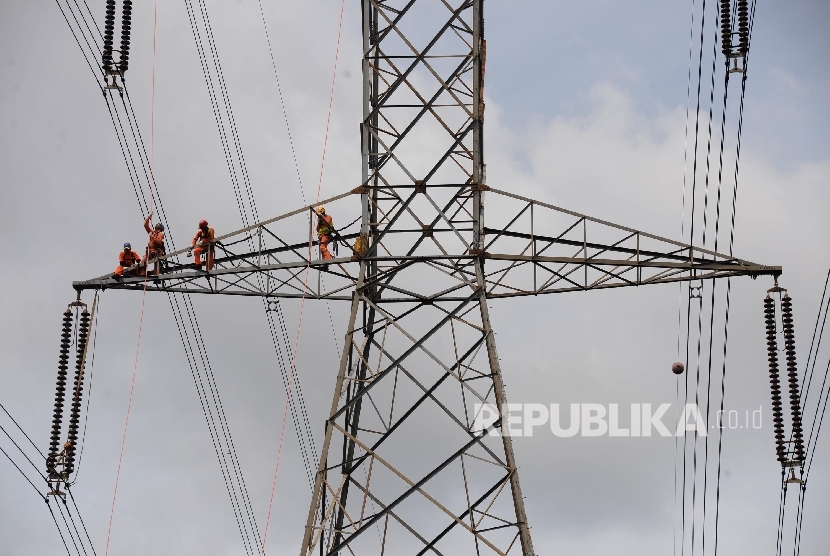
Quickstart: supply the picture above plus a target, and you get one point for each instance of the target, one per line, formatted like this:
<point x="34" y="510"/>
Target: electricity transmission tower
<point x="404" y="467"/>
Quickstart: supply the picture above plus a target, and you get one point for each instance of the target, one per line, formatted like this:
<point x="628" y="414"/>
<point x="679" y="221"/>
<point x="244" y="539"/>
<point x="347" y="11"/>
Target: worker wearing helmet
<point x="155" y="243"/>
<point x="126" y="259"/>
<point x="325" y="231"/>
<point x="203" y="243"/>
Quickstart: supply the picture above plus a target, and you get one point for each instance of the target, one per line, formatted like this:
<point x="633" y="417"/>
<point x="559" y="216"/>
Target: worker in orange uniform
<point x="155" y="243"/>
<point x="126" y="259"/>
<point x="325" y="231"/>
<point x="203" y="243"/>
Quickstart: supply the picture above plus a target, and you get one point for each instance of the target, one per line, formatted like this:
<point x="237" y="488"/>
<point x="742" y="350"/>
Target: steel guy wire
<point x="282" y="103"/>
<point x="68" y="530"/>
<point x="94" y="22"/>
<point x="243" y="211"/>
<point x="74" y="526"/>
<point x="60" y="532"/>
<point x="805" y="470"/>
<point x="206" y="410"/>
<point x="80" y="28"/>
<point x="78" y="511"/>
<point x="22" y="431"/>
<point x="714" y="285"/>
<point x="190" y="309"/>
<point x="139" y="147"/>
<point x="215" y="106"/>
<point x="296" y="168"/>
<point x="83" y="52"/>
<point x="808" y="376"/>
<point x="21" y="472"/>
<point x="740" y="131"/>
<point x="722" y="398"/>
<point x="691" y="242"/>
<point x="225" y="427"/>
<point x="32" y="463"/>
<point x="810" y="443"/>
<point x="130" y="161"/>
<point x="798" y="520"/>
<point x="228" y="109"/>
<point x="782" y="502"/>
<point x="231" y="168"/>
<point x="819" y="420"/>
<point x="726" y="312"/>
<point x="16" y="445"/>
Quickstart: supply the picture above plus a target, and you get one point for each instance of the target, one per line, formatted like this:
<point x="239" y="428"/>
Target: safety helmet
<point x="203" y="223"/>
<point x="160" y="226"/>
<point x="321" y="210"/>
<point x="127" y="245"/>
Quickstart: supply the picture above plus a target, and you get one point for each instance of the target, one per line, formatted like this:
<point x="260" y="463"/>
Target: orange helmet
<point x="203" y="223"/>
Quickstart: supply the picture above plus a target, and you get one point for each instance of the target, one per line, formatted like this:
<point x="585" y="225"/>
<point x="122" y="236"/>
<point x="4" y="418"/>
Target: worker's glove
<point x="190" y="252"/>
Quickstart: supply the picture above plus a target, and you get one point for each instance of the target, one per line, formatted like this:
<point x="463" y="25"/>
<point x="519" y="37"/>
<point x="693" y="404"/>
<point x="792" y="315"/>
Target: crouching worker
<point x="126" y="259"/>
<point x="203" y="244"/>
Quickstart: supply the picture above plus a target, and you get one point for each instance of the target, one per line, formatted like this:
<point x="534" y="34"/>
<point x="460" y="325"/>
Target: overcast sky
<point x="586" y="109"/>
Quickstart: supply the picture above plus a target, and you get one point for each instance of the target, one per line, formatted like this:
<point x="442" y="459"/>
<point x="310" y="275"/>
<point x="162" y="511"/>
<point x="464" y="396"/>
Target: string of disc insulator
<point x="77" y="391"/>
<point x="63" y="366"/>
<point x="109" y="37"/>
<point x="109" y="31"/>
<point x="792" y="377"/>
<point x="726" y="28"/>
<point x="126" y="22"/>
<point x="774" y="381"/>
<point x="743" y="27"/>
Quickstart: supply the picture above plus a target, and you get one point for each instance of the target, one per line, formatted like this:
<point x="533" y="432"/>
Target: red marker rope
<point x="144" y="294"/>
<point x="305" y="283"/>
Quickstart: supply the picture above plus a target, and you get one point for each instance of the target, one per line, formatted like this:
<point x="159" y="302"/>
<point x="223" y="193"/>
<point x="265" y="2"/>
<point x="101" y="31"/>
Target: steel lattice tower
<point x="406" y="466"/>
<point x="412" y="370"/>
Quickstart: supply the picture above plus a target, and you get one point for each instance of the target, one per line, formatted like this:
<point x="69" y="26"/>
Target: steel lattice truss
<point x="534" y="248"/>
<point x="404" y="468"/>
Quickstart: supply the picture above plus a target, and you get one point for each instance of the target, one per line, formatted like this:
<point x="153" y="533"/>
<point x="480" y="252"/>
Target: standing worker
<point x="126" y="259"/>
<point x="203" y="243"/>
<point x="325" y="230"/>
<point x="155" y="243"/>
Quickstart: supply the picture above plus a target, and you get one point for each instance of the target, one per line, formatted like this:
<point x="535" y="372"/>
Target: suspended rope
<point x="127" y="7"/>
<point x="307" y="272"/>
<point x="133" y="162"/>
<point x="127" y="417"/>
<point x="299" y="416"/>
<point x="89" y="394"/>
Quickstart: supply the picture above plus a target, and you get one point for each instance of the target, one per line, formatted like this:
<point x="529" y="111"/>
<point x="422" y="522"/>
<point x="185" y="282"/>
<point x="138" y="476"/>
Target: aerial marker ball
<point x="677" y="368"/>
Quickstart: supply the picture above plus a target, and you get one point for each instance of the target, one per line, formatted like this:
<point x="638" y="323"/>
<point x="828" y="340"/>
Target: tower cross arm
<point x="537" y="248"/>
